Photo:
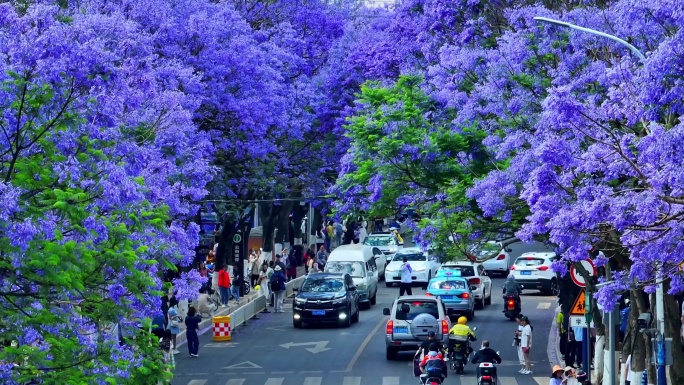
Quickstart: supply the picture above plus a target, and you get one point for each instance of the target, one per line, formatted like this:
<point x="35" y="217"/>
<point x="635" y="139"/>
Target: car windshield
<point x="378" y="241"/>
<point x="529" y="261"/>
<point x="355" y="269"/>
<point x="322" y="285"/>
<point x="486" y="250"/>
<point x="417" y="308"/>
<point x="460" y="271"/>
<point x="415" y="257"/>
<point x="444" y="284"/>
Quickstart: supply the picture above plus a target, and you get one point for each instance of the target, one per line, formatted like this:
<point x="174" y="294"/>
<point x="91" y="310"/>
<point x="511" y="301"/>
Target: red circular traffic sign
<point x="577" y="277"/>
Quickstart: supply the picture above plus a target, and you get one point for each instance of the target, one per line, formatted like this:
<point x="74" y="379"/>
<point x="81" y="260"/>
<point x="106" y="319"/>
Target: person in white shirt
<point x="526" y="344"/>
<point x="518" y="335"/>
<point x="628" y="370"/>
<point x="405" y="285"/>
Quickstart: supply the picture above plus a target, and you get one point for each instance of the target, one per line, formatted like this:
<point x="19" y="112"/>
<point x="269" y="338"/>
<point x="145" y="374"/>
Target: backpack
<point x="277" y="284"/>
<point x="434" y="367"/>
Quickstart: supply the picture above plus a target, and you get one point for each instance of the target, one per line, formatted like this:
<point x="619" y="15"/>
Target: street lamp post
<point x="660" y="302"/>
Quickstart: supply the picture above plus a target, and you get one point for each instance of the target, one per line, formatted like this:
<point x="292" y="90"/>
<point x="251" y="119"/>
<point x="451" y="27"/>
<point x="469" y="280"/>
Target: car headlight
<point x="300" y="301"/>
<point x="421" y="268"/>
<point x="362" y="286"/>
<point x="393" y="250"/>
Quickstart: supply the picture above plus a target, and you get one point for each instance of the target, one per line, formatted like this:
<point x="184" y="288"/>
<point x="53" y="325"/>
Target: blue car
<point x="454" y="292"/>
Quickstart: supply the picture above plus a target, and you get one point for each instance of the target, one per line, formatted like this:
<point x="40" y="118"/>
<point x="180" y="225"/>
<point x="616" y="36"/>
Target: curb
<point x="239" y="315"/>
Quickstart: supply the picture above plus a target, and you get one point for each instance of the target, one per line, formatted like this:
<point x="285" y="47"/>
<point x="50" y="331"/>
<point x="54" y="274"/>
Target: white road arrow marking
<point x="244" y="365"/>
<point x="318" y="347"/>
<point x="221" y="344"/>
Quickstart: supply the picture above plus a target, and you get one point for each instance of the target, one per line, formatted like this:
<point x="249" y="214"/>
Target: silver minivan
<point x="362" y="265"/>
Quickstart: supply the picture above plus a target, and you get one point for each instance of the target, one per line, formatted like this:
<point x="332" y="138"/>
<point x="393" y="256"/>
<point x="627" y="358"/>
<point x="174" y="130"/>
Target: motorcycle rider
<point x="511" y="287"/>
<point x="486" y="354"/>
<point x="424" y="348"/>
<point x="433" y="365"/>
<point x="462" y="330"/>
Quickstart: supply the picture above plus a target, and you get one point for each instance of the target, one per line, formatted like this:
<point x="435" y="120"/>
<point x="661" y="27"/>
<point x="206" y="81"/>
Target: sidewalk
<point x="206" y="323"/>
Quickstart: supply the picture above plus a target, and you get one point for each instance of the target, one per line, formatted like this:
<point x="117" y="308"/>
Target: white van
<point x="363" y="266"/>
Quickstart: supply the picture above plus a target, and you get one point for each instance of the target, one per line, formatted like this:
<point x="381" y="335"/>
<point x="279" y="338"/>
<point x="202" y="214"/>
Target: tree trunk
<point x="224" y="241"/>
<point x="672" y="323"/>
<point x="269" y="213"/>
<point x="282" y="237"/>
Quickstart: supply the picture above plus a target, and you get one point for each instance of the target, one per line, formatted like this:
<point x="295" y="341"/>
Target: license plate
<point x="401" y="330"/>
<point x="525" y="273"/>
<point x="447" y="296"/>
<point x="459" y="357"/>
<point x="318" y="312"/>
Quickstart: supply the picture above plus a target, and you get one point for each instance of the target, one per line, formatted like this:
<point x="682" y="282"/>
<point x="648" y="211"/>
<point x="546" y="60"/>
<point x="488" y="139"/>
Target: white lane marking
<point x="365" y="342"/>
<point x="197" y="382"/>
<point x="544" y="305"/>
<point x="236" y="381"/>
<point x="352" y="381"/>
<point x="390" y="380"/>
<point x="313" y="380"/>
<point x="542" y="380"/>
<point x="277" y="381"/>
<point x="510" y="381"/>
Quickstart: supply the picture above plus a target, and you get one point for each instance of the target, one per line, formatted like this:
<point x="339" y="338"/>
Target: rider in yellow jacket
<point x="462" y="330"/>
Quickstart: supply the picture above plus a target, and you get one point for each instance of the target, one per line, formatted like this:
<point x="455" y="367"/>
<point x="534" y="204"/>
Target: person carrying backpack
<point x="433" y="365"/>
<point x="278" y="287"/>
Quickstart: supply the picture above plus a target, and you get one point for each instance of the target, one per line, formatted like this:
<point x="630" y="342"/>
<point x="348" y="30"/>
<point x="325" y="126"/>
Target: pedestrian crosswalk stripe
<point x="274" y="381"/>
<point x="390" y="381"/>
<point x="352" y="381"/>
<point x="313" y="380"/>
<point x="542" y="380"/>
<point x="508" y="381"/>
<point x="236" y="381"/>
<point x="544" y="305"/>
<point x="468" y="380"/>
<point x="197" y="382"/>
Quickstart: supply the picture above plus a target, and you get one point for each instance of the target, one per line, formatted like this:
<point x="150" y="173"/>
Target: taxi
<point x="454" y="292"/>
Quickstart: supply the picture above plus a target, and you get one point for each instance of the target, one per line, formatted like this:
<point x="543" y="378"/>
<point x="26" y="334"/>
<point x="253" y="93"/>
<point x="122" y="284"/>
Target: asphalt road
<point x="269" y="351"/>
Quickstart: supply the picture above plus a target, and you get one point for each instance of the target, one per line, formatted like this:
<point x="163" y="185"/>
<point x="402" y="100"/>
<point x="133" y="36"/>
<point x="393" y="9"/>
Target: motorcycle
<point x="486" y="374"/>
<point x="512" y="306"/>
<point x="459" y="351"/>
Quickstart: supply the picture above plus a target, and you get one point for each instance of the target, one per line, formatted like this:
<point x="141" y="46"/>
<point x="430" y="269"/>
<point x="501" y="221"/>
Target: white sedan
<point x="498" y="264"/>
<point x="424" y="266"/>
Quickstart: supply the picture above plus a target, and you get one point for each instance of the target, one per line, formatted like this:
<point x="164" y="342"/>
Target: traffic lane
<point x="272" y="344"/>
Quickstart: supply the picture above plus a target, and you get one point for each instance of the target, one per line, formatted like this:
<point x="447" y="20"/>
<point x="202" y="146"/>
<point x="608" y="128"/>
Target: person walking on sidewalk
<point x="224" y="286"/>
<point x="192" y="322"/>
<point x="174" y="327"/>
<point x="406" y="281"/>
<point x="262" y="282"/>
<point x="254" y="269"/>
<point x="235" y="287"/>
<point x="278" y="286"/>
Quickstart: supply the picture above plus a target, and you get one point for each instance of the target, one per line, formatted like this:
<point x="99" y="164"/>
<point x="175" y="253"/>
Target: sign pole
<point x="586" y="346"/>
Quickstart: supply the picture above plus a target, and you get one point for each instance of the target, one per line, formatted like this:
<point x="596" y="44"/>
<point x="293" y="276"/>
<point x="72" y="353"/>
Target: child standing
<point x="192" y="322"/>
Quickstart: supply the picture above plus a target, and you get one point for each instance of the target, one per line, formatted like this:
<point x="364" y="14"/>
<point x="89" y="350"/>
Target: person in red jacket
<point x="224" y="286"/>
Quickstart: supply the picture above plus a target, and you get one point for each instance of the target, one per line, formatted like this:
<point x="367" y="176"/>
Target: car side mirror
<point x="386" y="311"/>
<point x="450" y="312"/>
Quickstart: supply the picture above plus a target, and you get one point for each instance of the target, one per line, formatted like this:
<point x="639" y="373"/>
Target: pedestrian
<point x="339" y="232"/>
<point x="406" y="281"/>
<point x="192" y="322"/>
<point x="557" y="376"/>
<point x="516" y="342"/>
<point x="628" y="370"/>
<point x="526" y="343"/>
<point x="562" y="335"/>
<point x="254" y="270"/>
<point x="278" y="286"/>
<point x="291" y="266"/>
<point x="322" y="257"/>
<point x="363" y="233"/>
<point x="174" y="327"/>
<point x="166" y="346"/>
<point x="224" y="286"/>
<point x="169" y="300"/>
<point x="624" y="320"/>
<point x="235" y="287"/>
<point x="570" y="348"/>
<point x="579" y="338"/>
<point x="263" y="282"/>
<point x="570" y="377"/>
<point x="269" y="274"/>
<point x="279" y="262"/>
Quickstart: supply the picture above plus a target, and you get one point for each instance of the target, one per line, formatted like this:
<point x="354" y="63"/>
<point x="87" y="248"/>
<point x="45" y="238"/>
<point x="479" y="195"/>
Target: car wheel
<point x="297" y="324"/>
<point x="391" y="353"/>
<point x="355" y="317"/>
<point x="480" y="303"/>
<point x="488" y="300"/>
<point x="374" y="298"/>
<point x="470" y="315"/>
<point x="554" y="287"/>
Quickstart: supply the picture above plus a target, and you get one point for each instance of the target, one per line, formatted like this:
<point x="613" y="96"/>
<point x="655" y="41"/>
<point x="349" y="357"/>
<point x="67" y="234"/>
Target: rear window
<point x="417" y="257"/>
<point x="444" y="284"/>
<point x="460" y="271"/>
<point x="417" y="308"/>
<point x="378" y="241"/>
<point x="529" y="261"/>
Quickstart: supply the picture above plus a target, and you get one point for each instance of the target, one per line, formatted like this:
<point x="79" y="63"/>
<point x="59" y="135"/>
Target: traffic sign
<point x="577" y="277"/>
<point x="578" y="321"/>
<point x="578" y="308"/>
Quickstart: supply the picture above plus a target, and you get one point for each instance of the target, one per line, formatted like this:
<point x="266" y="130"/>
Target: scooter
<point x="459" y="348"/>
<point x="512" y="306"/>
<point x="486" y="374"/>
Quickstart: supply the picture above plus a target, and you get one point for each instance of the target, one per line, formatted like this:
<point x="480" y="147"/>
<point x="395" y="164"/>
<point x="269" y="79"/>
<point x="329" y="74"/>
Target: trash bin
<point x="221" y="328"/>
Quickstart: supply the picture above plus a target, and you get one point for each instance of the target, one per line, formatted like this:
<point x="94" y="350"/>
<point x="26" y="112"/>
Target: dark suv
<point x="326" y="297"/>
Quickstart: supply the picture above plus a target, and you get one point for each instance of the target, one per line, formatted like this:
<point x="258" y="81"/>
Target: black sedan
<point x="326" y="297"/>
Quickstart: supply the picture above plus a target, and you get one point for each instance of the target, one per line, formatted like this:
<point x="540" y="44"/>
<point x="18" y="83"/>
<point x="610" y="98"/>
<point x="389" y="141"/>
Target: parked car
<point x="424" y="265"/>
<point x="454" y="292"/>
<point x="325" y="297"/>
<point x="498" y="264"/>
<point x="480" y="283"/>
<point x="533" y="271"/>
<point x="412" y="317"/>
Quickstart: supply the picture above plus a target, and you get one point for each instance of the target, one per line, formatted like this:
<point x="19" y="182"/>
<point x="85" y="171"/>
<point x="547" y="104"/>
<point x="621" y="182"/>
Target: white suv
<point x="533" y="271"/>
<point x="480" y="283"/>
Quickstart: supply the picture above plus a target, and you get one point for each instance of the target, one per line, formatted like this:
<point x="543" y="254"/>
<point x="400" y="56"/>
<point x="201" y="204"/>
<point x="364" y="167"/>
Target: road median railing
<point x="250" y="306"/>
